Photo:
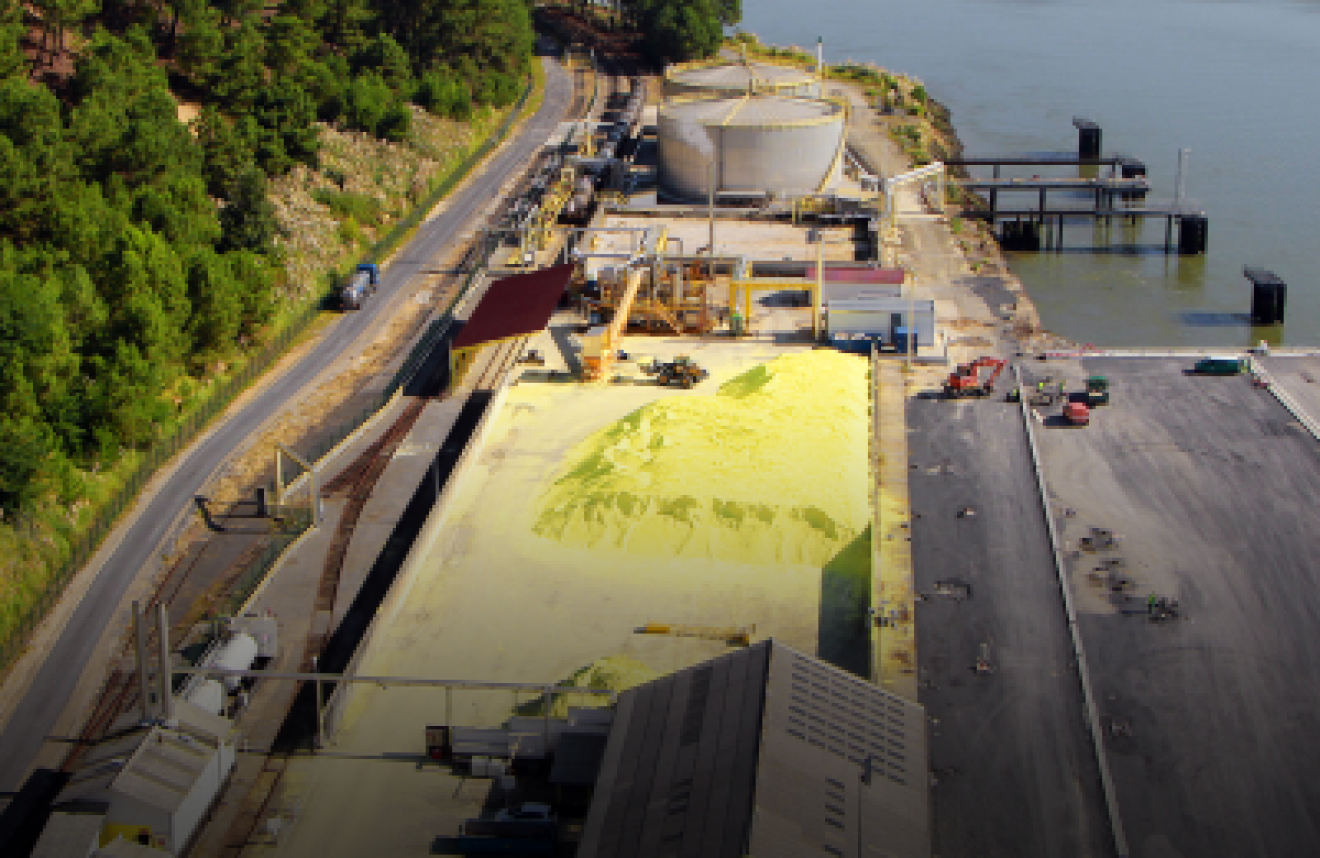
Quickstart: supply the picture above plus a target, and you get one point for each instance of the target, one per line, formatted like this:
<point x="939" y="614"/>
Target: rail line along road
<point x="71" y="661"/>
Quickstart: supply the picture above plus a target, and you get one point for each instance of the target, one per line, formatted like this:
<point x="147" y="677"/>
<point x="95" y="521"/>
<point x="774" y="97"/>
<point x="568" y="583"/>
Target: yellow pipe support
<point x="775" y="284"/>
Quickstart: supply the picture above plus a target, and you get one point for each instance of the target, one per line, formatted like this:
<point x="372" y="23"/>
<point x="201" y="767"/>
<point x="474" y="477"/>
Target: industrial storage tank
<point x="237" y="653"/>
<point x="209" y="694"/>
<point x="761" y="144"/>
<point x="733" y="79"/>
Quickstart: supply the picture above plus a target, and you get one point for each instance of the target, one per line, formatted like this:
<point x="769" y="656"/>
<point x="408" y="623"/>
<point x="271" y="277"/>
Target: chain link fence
<point x="20" y="616"/>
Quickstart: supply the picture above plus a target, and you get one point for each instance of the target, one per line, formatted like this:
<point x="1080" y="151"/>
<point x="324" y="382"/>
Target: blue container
<point x="901" y="340"/>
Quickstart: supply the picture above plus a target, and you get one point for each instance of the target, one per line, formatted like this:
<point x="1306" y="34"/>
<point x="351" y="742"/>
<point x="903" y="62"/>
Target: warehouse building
<point x="156" y="780"/>
<point x="766" y="752"/>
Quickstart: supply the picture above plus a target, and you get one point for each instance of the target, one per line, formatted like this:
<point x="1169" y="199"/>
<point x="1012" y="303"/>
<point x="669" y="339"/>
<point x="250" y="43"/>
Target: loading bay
<point x="1193" y="488"/>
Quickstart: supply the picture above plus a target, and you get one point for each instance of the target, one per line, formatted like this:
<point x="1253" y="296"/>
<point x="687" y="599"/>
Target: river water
<point x="1232" y="81"/>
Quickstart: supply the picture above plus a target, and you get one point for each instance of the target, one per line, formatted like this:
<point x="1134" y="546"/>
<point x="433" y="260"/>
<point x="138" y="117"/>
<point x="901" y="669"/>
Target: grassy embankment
<point x="330" y="218"/>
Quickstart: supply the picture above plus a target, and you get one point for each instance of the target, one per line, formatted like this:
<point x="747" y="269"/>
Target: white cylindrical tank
<point x="784" y="146"/>
<point x="209" y="695"/>
<point x="238" y="653"/>
<point x="733" y="79"/>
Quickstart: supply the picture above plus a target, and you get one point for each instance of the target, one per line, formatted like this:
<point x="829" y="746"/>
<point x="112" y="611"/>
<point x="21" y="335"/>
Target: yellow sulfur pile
<point x="615" y="672"/>
<point x="772" y="469"/>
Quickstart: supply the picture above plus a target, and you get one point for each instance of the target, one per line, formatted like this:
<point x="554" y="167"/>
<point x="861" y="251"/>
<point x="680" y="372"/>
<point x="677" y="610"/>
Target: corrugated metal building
<point x="161" y="779"/>
<point x="765" y="752"/>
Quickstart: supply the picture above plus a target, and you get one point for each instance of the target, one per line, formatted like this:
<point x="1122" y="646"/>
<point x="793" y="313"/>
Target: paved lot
<point x="1299" y="376"/>
<point x="1015" y="769"/>
<point x="1211" y="485"/>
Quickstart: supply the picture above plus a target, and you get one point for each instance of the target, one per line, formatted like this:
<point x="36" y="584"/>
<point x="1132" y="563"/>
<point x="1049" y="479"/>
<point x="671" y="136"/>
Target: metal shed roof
<point x="751" y="111"/>
<point x="859" y="274"/>
<point x="155" y="764"/>
<point x="515" y="306"/>
<point x="843" y="768"/>
<point x="765" y="751"/>
<point x="741" y="76"/>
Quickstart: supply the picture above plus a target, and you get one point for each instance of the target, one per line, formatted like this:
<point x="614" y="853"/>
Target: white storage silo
<point x="762" y="143"/>
<point x="238" y="653"/>
<point x="209" y="694"/>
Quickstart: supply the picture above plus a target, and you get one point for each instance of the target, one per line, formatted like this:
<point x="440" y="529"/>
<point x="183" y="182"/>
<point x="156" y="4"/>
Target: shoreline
<point x="984" y="268"/>
<point x="928" y="134"/>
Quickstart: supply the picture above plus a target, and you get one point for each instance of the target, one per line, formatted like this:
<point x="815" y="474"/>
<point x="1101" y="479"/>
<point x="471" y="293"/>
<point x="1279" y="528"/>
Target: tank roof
<point x="751" y="111"/>
<point x="739" y="75"/>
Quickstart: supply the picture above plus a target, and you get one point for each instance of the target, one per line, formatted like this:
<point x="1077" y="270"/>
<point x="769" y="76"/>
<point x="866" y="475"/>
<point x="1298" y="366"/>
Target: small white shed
<point x="158" y="777"/>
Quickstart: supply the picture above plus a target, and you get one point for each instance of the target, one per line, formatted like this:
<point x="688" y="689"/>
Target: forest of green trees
<point x="137" y="253"/>
<point x="679" y="30"/>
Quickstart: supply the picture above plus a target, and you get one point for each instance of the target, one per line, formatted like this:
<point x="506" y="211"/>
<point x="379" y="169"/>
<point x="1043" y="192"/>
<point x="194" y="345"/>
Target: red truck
<point x="1077" y="413"/>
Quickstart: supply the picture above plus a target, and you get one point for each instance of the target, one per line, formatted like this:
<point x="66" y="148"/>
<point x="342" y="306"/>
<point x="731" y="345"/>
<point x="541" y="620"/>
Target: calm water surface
<point x="1235" y="82"/>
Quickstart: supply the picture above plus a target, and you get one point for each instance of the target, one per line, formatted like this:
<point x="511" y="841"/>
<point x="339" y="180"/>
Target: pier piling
<point x="1088" y="137"/>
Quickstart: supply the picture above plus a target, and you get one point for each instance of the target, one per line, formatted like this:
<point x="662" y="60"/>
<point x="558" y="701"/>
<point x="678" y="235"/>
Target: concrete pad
<point x="1210" y="484"/>
<point x="1299" y="375"/>
<point x="763" y="240"/>
<point x="391" y="495"/>
<point x="1014" y="769"/>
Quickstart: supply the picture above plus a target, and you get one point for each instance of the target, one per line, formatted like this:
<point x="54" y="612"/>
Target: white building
<point x="881" y="316"/>
<point x="156" y="780"/>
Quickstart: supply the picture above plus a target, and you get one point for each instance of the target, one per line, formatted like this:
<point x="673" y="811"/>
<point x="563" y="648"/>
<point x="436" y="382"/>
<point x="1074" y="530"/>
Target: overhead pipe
<point x="386" y="681"/>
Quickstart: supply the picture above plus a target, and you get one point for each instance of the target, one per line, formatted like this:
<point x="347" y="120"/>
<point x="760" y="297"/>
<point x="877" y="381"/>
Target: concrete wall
<point x="338" y="704"/>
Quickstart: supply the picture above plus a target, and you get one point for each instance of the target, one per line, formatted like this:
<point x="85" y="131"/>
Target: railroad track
<point x="119" y="691"/>
<point x="502" y="358"/>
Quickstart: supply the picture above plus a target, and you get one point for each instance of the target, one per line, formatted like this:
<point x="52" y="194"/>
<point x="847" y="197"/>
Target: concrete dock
<point x="1013" y="769"/>
<point x="1208" y="485"/>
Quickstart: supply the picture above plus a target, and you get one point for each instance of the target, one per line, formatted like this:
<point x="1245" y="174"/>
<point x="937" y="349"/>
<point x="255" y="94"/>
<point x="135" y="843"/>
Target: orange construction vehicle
<point x="974" y="379"/>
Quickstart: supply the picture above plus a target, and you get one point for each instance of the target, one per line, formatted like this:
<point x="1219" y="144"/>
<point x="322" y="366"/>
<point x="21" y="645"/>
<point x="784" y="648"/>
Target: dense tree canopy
<point x="679" y="30"/>
<point x="136" y="251"/>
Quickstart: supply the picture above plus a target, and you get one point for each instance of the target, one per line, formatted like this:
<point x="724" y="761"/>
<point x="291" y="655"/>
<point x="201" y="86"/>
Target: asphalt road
<point x="49" y="693"/>
<point x="1211" y="484"/>
<point x="1015" y="769"/>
